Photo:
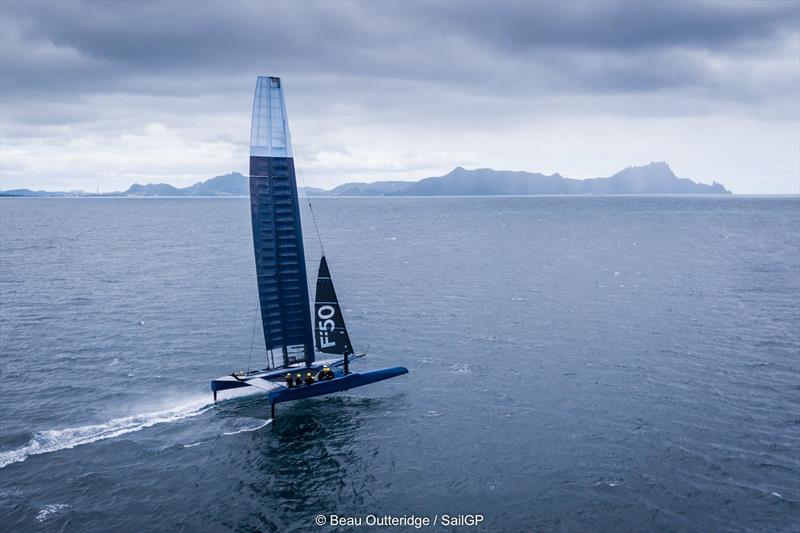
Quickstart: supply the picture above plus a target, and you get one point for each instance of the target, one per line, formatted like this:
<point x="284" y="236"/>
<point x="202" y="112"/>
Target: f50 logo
<point x="325" y="325"/>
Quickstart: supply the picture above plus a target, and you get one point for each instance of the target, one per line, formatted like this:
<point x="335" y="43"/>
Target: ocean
<point x="576" y="364"/>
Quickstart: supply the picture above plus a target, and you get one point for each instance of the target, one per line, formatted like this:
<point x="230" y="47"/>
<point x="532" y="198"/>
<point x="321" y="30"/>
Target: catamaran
<point x="290" y="336"/>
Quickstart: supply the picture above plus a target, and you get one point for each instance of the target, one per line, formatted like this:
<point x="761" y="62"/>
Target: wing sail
<point x="277" y="233"/>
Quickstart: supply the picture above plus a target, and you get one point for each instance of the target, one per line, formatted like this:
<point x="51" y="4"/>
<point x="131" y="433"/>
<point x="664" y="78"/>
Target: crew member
<point x="309" y="378"/>
<point x="298" y="379"/>
<point x="289" y="380"/>
<point x="346" y="355"/>
<point x="329" y="373"/>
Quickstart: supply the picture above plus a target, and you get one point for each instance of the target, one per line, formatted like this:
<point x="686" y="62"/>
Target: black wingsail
<point x="277" y="233"/>
<point x="329" y="329"/>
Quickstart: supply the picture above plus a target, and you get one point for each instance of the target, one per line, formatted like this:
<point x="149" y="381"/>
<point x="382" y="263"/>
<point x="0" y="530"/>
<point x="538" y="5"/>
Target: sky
<point x="98" y="95"/>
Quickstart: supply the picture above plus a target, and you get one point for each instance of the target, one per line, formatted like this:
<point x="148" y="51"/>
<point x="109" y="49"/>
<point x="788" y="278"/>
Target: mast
<point x="277" y="231"/>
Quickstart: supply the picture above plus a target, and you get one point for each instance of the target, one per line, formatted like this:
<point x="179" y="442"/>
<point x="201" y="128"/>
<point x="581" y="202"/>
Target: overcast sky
<point x="104" y="94"/>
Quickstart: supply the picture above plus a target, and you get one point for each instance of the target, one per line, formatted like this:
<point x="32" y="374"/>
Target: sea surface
<point x="576" y="364"/>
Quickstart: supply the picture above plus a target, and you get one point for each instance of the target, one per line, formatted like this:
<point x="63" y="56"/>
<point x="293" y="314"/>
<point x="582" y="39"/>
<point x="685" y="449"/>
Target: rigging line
<point x="311" y="209"/>
<point x="252" y="339"/>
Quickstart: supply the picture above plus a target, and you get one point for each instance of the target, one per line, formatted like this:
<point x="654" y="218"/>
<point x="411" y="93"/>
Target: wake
<point x="229" y="433"/>
<point x="248" y="430"/>
<point x="64" y="439"/>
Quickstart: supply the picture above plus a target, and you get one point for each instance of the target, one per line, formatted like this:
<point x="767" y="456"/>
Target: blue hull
<point x="350" y="381"/>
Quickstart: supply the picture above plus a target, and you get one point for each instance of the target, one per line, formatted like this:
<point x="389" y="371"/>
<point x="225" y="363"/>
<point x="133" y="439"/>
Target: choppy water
<point x="576" y="364"/>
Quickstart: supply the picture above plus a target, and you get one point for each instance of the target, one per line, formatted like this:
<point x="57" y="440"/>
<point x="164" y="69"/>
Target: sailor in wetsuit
<point x="298" y="379"/>
<point x="328" y="373"/>
<point x="289" y="380"/>
<point x="346" y="356"/>
<point x="309" y="378"/>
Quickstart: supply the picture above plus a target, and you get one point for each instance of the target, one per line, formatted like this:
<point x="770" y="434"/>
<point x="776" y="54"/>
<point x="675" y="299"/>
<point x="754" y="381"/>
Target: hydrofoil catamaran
<point x="289" y="334"/>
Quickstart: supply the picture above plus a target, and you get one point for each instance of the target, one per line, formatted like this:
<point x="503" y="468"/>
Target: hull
<point x="350" y="381"/>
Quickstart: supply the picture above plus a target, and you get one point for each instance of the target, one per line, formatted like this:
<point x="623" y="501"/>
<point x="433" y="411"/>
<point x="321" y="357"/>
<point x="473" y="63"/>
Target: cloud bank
<point x="100" y="94"/>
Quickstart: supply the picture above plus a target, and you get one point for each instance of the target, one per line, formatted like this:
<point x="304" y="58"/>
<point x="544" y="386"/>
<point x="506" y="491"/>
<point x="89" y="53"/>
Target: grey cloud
<point x="619" y="25"/>
<point x="70" y="68"/>
<point x="117" y="45"/>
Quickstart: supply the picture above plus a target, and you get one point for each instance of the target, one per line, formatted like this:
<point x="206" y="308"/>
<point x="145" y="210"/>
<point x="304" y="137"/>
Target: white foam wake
<point x="49" y="510"/>
<point x="63" y="439"/>
<point x="247" y="430"/>
<point x="228" y="433"/>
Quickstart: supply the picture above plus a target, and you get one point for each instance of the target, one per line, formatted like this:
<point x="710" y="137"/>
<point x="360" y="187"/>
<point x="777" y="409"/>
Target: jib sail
<point x="277" y="233"/>
<point x="330" y="331"/>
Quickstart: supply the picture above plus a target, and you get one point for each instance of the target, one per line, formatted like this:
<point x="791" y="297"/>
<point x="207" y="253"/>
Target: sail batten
<point x="330" y="332"/>
<point x="277" y="231"/>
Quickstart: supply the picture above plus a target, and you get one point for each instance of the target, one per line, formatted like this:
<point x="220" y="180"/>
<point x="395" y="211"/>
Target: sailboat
<point x="292" y="339"/>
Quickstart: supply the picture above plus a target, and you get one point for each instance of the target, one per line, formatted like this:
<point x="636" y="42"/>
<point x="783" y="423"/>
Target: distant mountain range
<point x="655" y="178"/>
<point x="233" y="184"/>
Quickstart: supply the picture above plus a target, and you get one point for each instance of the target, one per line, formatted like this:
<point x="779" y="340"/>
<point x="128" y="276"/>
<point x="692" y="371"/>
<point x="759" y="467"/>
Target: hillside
<point x="654" y="178"/>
